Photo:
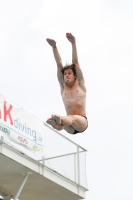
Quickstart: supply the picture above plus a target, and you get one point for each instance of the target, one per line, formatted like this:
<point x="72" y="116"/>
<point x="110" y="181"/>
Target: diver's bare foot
<point x="57" y="118"/>
<point x="51" y="122"/>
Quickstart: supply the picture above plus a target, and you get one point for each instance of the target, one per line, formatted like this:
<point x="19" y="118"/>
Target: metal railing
<point x="76" y="151"/>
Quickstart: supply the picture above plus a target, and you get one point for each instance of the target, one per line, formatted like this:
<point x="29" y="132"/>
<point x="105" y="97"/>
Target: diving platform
<point x="55" y="168"/>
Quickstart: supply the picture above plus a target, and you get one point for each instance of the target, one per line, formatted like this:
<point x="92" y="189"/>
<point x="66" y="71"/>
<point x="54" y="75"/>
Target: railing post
<point x="43" y="165"/>
<point x="75" y="170"/>
<point x="78" y="167"/>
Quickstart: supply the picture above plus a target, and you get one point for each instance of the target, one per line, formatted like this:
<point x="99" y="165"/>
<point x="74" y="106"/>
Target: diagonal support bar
<point x="22" y="185"/>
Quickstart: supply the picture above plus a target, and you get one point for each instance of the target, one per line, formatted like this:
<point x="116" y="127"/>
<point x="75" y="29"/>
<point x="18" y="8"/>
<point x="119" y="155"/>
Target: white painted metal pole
<point x="78" y="165"/>
<point x="43" y="166"/>
<point x="75" y="166"/>
<point x="21" y="186"/>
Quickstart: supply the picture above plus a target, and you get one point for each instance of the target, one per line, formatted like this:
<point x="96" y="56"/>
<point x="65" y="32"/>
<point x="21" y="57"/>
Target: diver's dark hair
<point x="72" y="66"/>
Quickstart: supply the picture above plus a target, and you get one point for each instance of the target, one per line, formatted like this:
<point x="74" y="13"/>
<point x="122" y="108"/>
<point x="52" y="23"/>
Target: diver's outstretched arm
<point x="58" y="60"/>
<point x="72" y="39"/>
<point x="75" y="61"/>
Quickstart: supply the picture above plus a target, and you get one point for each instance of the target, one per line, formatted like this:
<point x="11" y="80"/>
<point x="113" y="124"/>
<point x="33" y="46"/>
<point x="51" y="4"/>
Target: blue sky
<point x="103" y="30"/>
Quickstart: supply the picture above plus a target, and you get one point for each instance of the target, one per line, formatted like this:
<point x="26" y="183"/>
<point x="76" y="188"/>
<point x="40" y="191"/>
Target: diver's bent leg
<point x="69" y="129"/>
<point x="77" y="122"/>
<point x="59" y="127"/>
<point x="80" y="123"/>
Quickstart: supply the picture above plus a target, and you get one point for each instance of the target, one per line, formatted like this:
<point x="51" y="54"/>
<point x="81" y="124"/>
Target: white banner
<point x="19" y="127"/>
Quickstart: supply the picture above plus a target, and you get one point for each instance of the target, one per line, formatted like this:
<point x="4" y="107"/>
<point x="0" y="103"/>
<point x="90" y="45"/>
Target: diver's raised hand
<point x="51" y="42"/>
<point x="70" y="37"/>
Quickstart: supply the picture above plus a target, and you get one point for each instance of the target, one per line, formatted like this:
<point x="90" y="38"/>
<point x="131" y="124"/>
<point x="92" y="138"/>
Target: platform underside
<point x="37" y="186"/>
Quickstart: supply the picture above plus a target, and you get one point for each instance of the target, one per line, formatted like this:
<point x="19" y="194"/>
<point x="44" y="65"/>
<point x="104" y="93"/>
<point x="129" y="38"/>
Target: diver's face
<point x="69" y="76"/>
